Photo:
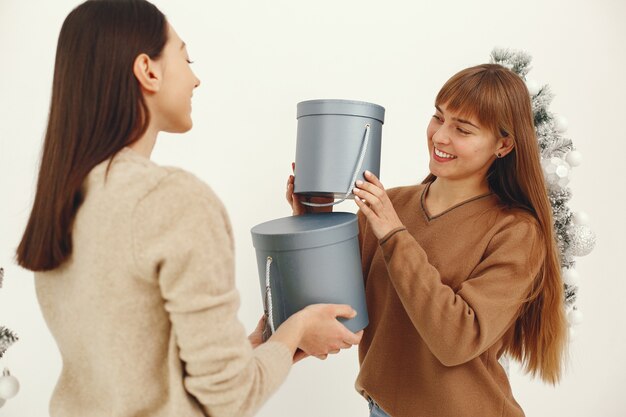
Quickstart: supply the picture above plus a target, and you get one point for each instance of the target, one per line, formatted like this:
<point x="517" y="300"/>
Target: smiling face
<point x="460" y="148"/>
<point x="173" y="100"/>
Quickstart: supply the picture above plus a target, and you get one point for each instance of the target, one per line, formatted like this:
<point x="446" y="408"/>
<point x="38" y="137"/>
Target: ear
<point x="148" y="73"/>
<point x="504" y="145"/>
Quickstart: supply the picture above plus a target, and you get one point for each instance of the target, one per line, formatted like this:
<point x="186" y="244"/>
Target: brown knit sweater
<point x="145" y="310"/>
<point x="443" y="296"/>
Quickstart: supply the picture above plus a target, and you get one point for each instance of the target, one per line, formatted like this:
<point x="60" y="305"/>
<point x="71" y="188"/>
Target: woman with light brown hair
<point x="463" y="267"/>
<point x="134" y="263"/>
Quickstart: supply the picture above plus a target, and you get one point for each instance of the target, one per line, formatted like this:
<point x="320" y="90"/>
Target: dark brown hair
<point x="499" y="100"/>
<point x="97" y="108"/>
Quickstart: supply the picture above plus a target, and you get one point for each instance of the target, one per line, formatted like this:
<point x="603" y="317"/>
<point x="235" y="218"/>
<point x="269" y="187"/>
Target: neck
<point x="449" y="192"/>
<point x="145" y="144"/>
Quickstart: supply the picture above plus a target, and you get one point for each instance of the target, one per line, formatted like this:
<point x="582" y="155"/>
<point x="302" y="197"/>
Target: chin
<point x="182" y="127"/>
<point x="439" y="173"/>
<point x="433" y="168"/>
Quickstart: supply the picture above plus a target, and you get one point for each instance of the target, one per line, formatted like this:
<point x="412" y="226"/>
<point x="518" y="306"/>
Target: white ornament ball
<point x="556" y="172"/>
<point x="560" y="124"/>
<point x="574" y="158"/>
<point x="582" y="240"/>
<point x="533" y="87"/>
<point x="570" y="276"/>
<point x="575" y="317"/>
<point x="9" y="385"/>
<point x="580" y="218"/>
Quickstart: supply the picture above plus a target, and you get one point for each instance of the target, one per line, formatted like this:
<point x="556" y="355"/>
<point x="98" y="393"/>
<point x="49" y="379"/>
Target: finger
<point x="352" y="338"/>
<point x="371" y="188"/>
<point x="321" y="357"/>
<point x="368" y="212"/>
<point x="372" y="201"/>
<point x="344" y="310"/>
<point x="334" y="352"/>
<point x="366" y="195"/>
<point x="261" y="324"/>
<point x="300" y="354"/>
<point x="373" y="179"/>
<point x="345" y="345"/>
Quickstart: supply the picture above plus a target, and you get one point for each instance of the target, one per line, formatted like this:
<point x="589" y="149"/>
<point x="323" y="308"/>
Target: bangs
<point x="477" y="93"/>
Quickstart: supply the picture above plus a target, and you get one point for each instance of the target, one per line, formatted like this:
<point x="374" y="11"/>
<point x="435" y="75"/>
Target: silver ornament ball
<point x="556" y="172"/>
<point x="533" y="87"/>
<point x="9" y="385"/>
<point x="575" y="317"/>
<point x="580" y="218"/>
<point x="574" y="158"/>
<point x="582" y="240"/>
<point x="560" y="124"/>
<point x="570" y="276"/>
<point x="571" y="333"/>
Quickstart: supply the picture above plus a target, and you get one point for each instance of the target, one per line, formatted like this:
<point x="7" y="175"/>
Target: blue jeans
<point x="375" y="410"/>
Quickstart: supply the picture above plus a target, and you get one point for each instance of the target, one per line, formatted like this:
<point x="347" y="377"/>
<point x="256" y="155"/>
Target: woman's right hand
<point x="294" y="200"/>
<point x="325" y="334"/>
<point x="316" y="331"/>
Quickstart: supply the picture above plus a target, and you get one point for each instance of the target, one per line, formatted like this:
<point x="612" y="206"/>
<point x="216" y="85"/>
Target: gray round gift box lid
<point x="315" y="259"/>
<point x="342" y="107"/>
<point x="329" y="138"/>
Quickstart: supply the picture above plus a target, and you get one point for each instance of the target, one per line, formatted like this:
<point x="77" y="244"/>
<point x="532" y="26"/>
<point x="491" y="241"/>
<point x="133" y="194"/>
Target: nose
<point x="441" y="136"/>
<point x="197" y="82"/>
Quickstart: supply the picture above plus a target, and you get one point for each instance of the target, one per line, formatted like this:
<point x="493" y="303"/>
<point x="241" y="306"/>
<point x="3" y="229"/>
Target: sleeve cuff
<point x="389" y="235"/>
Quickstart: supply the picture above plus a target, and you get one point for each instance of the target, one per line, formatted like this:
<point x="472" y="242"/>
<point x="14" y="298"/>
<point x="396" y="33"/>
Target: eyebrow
<point x="459" y="120"/>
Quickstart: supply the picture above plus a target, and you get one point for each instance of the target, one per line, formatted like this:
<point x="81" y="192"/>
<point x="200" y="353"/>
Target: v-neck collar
<point x="462" y="203"/>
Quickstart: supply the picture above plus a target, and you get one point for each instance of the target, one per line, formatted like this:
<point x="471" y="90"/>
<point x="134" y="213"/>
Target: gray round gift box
<point x="315" y="258"/>
<point x="329" y="141"/>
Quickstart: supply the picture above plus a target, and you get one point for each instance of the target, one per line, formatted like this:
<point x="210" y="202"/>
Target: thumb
<point x="261" y="324"/>
<point x="344" y="310"/>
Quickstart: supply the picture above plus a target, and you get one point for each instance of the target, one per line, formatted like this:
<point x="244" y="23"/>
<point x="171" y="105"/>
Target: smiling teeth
<point x="442" y="154"/>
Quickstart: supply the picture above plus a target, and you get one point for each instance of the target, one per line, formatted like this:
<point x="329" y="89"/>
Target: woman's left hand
<point x="374" y="203"/>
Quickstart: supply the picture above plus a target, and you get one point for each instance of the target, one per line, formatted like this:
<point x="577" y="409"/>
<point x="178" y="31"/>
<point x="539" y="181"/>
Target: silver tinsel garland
<point x="7" y="337"/>
<point x="558" y="156"/>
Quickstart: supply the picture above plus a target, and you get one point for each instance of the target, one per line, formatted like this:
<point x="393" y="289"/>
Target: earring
<point x="499" y="155"/>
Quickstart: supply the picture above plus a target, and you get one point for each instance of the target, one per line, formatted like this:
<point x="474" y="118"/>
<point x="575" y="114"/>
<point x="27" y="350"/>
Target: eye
<point x="189" y="62"/>
<point x="463" y="131"/>
<point x="436" y="117"/>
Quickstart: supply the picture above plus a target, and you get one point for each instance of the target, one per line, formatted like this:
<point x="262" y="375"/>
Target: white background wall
<point x="256" y="60"/>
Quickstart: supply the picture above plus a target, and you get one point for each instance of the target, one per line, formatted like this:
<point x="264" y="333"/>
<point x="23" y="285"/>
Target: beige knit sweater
<point x="442" y="297"/>
<point x="145" y="310"/>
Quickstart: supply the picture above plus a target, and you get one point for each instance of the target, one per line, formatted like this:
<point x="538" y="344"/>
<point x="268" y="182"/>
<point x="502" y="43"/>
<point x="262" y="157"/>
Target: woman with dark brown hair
<point x="134" y="264"/>
<point x="463" y="267"/>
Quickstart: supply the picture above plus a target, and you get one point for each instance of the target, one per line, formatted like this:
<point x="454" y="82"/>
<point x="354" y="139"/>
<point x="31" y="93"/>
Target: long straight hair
<point x="499" y="100"/>
<point x="97" y="108"/>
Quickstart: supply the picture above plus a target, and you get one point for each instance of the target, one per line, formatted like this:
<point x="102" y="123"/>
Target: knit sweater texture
<point x="443" y="297"/>
<point x="144" y="312"/>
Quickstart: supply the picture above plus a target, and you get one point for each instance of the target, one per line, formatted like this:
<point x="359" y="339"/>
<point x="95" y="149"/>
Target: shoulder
<point x="181" y="193"/>
<point x="181" y="204"/>
<point x="143" y="179"/>
<point x="516" y="226"/>
<point x="512" y="217"/>
<point x="181" y="184"/>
